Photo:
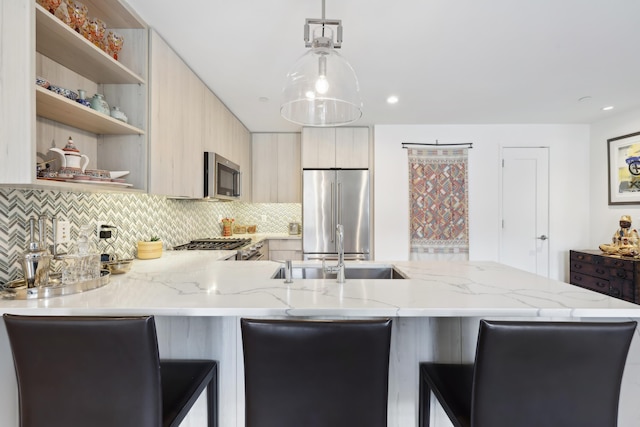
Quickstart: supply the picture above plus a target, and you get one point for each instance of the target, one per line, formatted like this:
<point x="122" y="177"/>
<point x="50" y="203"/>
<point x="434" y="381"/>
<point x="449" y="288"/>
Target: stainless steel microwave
<point x="222" y="178"/>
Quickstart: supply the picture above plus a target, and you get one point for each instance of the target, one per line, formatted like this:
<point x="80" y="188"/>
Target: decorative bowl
<point x="149" y="250"/>
<point x="120" y="266"/>
<point x="67" y="93"/>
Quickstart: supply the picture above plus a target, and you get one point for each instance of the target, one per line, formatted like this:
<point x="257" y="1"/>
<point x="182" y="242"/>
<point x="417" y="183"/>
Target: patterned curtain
<point x="439" y="217"/>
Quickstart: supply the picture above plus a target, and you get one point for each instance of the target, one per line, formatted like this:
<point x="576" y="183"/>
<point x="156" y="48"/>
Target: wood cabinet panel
<point x="188" y="119"/>
<point x="277" y="175"/>
<point x="352" y="148"/>
<point x="285" y="249"/>
<point x="325" y="148"/>
<point x="318" y="148"/>
<point x="265" y="167"/>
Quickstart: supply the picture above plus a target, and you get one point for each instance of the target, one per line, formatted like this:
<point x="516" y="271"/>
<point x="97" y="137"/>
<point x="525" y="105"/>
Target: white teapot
<point x="71" y="157"/>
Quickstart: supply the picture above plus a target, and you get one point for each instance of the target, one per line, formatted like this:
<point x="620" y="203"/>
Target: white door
<point x="524" y="242"/>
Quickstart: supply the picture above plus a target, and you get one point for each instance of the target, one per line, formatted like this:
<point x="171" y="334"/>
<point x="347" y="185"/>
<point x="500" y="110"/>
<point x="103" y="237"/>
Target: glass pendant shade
<point x="321" y="90"/>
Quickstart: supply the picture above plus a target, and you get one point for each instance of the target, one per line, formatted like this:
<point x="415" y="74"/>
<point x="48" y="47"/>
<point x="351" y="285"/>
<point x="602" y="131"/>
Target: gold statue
<point x="624" y="241"/>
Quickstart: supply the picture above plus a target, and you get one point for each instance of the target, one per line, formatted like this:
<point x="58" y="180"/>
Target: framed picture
<point x="624" y="169"/>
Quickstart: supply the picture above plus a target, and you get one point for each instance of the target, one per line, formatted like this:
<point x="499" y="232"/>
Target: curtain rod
<point x="437" y="144"/>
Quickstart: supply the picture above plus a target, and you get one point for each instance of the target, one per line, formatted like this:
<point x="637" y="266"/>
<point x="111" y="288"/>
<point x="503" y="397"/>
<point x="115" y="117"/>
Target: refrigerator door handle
<point x="333" y="213"/>
<point x="339" y="204"/>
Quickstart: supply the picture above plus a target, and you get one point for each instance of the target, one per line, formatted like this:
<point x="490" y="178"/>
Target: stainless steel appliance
<point x="332" y="197"/>
<point x="246" y="250"/>
<point x="222" y="178"/>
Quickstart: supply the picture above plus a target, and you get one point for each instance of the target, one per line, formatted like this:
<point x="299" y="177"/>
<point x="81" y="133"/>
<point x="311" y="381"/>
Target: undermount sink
<point x="350" y="272"/>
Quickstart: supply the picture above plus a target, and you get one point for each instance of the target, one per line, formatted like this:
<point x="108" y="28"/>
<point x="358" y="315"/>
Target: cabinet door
<point x="246" y="166"/>
<point x="265" y="167"/>
<point x="188" y="149"/>
<point x="177" y="124"/>
<point x="318" y="148"/>
<point x="289" y="170"/>
<point x="17" y="132"/>
<point x="352" y="147"/>
<point x="285" y="249"/>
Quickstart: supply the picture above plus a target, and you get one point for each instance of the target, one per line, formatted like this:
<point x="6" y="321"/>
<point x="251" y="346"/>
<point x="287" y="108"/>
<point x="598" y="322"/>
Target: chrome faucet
<point x="338" y="269"/>
<point x="288" y="270"/>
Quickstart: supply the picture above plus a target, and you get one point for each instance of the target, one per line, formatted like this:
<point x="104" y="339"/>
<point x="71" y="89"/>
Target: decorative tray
<point x="17" y="289"/>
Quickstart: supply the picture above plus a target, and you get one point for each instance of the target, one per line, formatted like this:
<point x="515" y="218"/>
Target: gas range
<point x="246" y="250"/>
<point x="216" y="244"/>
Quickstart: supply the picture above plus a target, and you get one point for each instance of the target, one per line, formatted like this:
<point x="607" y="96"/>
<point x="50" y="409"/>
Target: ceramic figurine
<point x="624" y="241"/>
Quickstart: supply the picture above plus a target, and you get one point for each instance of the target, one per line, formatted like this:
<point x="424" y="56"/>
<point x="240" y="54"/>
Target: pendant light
<point x="321" y="88"/>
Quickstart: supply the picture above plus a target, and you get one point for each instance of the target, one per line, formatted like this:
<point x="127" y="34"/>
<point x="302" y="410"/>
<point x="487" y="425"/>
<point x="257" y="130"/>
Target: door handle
<point x="543" y="237"/>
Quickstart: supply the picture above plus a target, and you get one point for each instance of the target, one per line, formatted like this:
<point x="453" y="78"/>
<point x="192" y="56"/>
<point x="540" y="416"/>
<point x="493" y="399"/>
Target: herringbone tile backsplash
<point x="136" y="216"/>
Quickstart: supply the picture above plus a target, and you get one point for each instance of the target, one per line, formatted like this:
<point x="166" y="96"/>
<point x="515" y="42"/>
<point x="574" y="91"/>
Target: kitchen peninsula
<point x="198" y="302"/>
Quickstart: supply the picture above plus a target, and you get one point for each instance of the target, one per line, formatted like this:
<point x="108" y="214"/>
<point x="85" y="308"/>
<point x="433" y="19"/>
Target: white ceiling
<point x="449" y="61"/>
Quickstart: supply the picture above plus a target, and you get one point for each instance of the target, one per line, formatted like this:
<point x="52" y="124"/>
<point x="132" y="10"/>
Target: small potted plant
<point x="150" y="249"/>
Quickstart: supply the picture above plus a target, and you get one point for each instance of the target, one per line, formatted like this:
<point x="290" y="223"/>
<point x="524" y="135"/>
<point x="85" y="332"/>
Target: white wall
<point x="569" y="182"/>
<point x="604" y="218"/>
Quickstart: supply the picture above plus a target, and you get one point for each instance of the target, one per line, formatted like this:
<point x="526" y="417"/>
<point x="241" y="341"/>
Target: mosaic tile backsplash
<point x="136" y="216"/>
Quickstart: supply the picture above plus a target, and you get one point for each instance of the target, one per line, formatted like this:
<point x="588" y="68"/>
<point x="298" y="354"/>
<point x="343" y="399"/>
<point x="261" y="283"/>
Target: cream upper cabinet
<point x="346" y="147"/>
<point x="187" y="119"/>
<point x="352" y="147"/>
<point x="176" y="124"/>
<point x="43" y="119"/>
<point x="276" y="168"/>
<point x="318" y="148"/>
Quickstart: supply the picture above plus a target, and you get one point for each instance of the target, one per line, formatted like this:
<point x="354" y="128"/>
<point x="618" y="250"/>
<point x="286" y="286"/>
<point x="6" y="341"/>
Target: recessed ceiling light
<point x="584" y="99"/>
<point x="263" y="99"/>
<point x="392" y="99"/>
<point x="607" y="108"/>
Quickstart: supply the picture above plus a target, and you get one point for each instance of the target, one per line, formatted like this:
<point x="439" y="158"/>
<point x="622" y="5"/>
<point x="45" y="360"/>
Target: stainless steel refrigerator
<point x="331" y="197"/>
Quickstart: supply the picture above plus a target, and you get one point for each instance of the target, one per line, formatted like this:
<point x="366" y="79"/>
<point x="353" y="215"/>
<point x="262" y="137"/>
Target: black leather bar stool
<point x="102" y="372"/>
<point x="533" y="374"/>
<point x="315" y="373"/>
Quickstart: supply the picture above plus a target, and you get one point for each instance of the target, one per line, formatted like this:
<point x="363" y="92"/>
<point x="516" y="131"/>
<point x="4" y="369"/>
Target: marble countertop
<point x="194" y="283"/>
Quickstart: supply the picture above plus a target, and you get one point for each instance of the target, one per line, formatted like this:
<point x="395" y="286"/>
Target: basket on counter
<point x="239" y="229"/>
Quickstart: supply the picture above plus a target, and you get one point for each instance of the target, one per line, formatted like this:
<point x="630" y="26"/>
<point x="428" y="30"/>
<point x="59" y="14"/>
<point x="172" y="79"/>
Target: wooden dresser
<point x="615" y="276"/>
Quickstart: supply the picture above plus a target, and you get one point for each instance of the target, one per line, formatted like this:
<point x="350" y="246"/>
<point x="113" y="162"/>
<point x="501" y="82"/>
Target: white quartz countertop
<point x="194" y="283"/>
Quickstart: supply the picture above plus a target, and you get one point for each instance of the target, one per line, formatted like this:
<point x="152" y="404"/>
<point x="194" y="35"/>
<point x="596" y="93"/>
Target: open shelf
<point x="59" y="42"/>
<point x="45" y="184"/>
<point x="114" y="13"/>
<point x="56" y="107"/>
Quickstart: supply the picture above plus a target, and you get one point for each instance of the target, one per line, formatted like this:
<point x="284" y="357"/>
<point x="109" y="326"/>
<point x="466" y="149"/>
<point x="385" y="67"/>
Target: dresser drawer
<point x="625" y="264"/>
<point x="598" y="270"/>
<point x="585" y="257"/>
<point x="589" y="282"/>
